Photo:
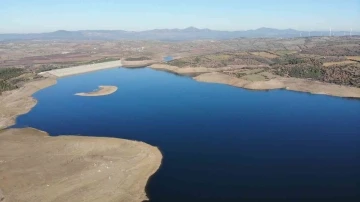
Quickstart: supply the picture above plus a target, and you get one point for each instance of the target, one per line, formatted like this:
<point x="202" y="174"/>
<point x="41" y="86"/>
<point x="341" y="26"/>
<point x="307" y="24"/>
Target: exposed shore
<point x="101" y="91"/>
<point x="68" y="168"/>
<point x="76" y="166"/>
<point x="20" y="101"/>
<point x="186" y="70"/>
<point x="81" y="69"/>
<point x="36" y="167"/>
<point x="212" y="75"/>
<point x="134" y="64"/>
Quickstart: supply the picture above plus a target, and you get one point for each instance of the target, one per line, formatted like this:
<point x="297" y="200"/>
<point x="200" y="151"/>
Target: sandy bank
<point x="81" y="69"/>
<point x="37" y="167"/>
<point x="143" y="63"/>
<point x="214" y="75"/>
<point x="294" y="84"/>
<point x="19" y="101"/>
<point x="186" y="70"/>
<point x="316" y="87"/>
<point x="196" y="70"/>
<point x="101" y="91"/>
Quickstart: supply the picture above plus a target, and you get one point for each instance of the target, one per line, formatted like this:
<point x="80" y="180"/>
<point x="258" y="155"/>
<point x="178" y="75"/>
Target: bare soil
<point x="294" y="84"/>
<point x="255" y="79"/>
<point x="19" y="101"/>
<point x="142" y="63"/>
<point x="35" y="167"/>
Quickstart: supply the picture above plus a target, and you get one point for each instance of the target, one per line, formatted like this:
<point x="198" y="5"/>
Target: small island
<point x="101" y="91"/>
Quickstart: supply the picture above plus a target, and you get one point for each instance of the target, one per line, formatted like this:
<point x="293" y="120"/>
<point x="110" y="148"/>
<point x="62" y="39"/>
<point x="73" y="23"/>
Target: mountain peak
<point x="265" y="29"/>
<point x="191" y="29"/>
<point x="61" y="31"/>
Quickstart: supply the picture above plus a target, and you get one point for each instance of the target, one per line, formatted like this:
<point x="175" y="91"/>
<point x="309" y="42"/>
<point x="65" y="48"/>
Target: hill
<point x="190" y="33"/>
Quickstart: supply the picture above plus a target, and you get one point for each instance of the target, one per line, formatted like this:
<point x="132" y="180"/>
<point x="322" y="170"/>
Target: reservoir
<point x="219" y="143"/>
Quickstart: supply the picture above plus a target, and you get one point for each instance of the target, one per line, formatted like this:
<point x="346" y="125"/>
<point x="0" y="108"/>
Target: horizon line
<point x="190" y="27"/>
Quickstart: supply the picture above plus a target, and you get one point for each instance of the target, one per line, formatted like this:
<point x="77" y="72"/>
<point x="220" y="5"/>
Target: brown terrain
<point x="19" y="101"/>
<point x="139" y="61"/>
<point x="305" y="70"/>
<point x="36" y="167"/>
<point x="325" y="59"/>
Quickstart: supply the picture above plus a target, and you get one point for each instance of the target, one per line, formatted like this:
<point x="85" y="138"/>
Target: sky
<point x="30" y="16"/>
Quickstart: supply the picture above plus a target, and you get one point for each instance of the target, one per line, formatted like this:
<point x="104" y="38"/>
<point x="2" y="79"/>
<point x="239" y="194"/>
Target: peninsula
<point x="73" y="168"/>
<point x="317" y="70"/>
<point x="256" y="81"/>
<point x="111" y="169"/>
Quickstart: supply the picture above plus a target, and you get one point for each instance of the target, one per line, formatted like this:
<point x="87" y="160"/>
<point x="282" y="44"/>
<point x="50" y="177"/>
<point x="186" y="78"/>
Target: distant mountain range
<point x="190" y="33"/>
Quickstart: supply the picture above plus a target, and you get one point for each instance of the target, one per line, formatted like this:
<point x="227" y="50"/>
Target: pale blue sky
<point x="22" y="16"/>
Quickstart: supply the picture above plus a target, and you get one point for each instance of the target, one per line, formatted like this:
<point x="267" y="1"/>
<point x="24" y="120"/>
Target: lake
<point x="219" y="143"/>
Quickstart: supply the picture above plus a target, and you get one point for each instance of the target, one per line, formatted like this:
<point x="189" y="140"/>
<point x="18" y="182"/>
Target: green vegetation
<point x="6" y="76"/>
<point x="288" y="60"/>
<point x="285" y="52"/>
<point x="137" y="59"/>
<point x="218" y="60"/>
<point x="197" y="59"/>
<point x="48" y="67"/>
<point x="4" y="86"/>
<point x="251" y="74"/>
<point x="306" y="72"/>
<point x="98" y="61"/>
<point x="345" y="74"/>
<point x="8" y="73"/>
<point x="312" y="67"/>
<point x="286" y="64"/>
<point x="240" y="74"/>
<point x="294" y="66"/>
<point x="254" y="77"/>
<point x="12" y="78"/>
<point x="178" y="63"/>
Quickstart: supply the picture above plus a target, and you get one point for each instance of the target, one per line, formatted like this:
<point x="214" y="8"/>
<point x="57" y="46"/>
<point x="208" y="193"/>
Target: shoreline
<point x="20" y="101"/>
<point x="101" y="91"/>
<point x="133" y="180"/>
<point x="136" y="64"/>
<point x="74" y="168"/>
<point x="212" y="75"/>
<point x="69" y="71"/>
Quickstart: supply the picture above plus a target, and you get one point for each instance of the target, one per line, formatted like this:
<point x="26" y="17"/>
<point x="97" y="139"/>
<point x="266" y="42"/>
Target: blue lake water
<point x="168" y="58"/>
<point x="219" y="143"/>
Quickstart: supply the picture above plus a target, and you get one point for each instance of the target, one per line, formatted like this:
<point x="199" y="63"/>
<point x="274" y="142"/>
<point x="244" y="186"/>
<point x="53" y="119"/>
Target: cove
<point x="219" y="143"/>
